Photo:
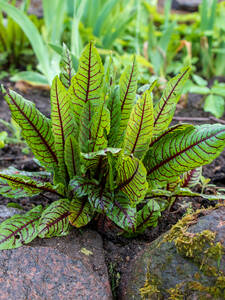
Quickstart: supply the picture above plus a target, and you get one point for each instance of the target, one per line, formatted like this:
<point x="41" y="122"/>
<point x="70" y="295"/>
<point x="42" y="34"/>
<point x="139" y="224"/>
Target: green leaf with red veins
<point x="24" y="185"/>
<point x="36" y="128"/>
<point x="62" y="121"/>
<point x="82" y="186"/>
<point x="86" y="85"/>
<point x="86" y="120"/>
<point x="128" y="87"/>
<point x="175" y="128"/>
<point x="139" y="128"/>
<point x="100" y="128"/>
<point x="81" y="212"/>
<point x="93" y="135"/>
<point x="91" y="159"/>
<point x="19" y="230"/>
<point x="114" y="107"/>
<point x="178" y="152"/>
<point x="99" y="199"/>
<point x="66" y="67"/>
<point x="54" y="220"/>
<point x="121" y="212"/>
<point x="131" y="178"/>
<point x="191" y="178"/>
<point x="148" y="216"/>
<point x="165" y="107"/>
<point x="72" y="156"/>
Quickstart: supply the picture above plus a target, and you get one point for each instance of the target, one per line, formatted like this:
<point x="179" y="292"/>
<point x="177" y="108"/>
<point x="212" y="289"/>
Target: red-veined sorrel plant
<point x="108" y="153"/>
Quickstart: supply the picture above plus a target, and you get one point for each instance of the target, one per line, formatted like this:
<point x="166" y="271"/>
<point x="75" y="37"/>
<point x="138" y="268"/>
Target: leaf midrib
<point x="140" y="126"/>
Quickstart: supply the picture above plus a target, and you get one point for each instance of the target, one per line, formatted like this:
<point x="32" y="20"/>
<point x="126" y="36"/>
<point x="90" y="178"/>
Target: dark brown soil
<point x="118" y="250"/>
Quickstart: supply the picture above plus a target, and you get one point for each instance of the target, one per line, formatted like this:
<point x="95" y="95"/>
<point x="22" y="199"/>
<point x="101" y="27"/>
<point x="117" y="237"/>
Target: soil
<point x="118" y="250"/>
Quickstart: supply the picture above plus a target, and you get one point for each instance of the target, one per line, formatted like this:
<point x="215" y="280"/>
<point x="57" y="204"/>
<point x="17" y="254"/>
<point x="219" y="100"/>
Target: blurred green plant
<point x="13" y="136"/>
<point x="15" y="49"/>
<point x="214" y="96"/>
<point x="103" y="20"/>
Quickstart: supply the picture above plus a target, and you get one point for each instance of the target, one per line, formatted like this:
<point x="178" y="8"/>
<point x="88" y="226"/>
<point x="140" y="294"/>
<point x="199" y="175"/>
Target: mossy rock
<point x="188" y="262"/>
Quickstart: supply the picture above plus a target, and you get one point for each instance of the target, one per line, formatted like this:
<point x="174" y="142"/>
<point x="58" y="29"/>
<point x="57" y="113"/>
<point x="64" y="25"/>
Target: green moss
<point x="151" y="288"/>
<point x="203" y="292"/>
<point x="193" y="245"/>
<point x="176" y="293"/>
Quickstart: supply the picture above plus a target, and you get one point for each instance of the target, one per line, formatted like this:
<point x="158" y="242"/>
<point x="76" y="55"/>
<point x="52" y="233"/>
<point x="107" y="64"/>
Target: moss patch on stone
<point x="205" y="252"/>
<point x="151" y="288"/>
<point x="202" y="249"/>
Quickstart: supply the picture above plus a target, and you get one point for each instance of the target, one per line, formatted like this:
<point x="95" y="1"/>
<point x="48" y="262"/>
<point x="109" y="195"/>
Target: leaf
<point x="81" y="212"/>
<point x="191" y="178"/>
<point x="19" y="230"/>
<point x="175" y="128"/>
<point x="139" y="128"/>
<point x="121" y="212"/>
<point x="86" y="84"/>
<point x="91" y="160"/>
<point x="199" y="80"/>
<point x="100" y="199"/>
<point x="196" y="89"/>
<point x="128" y="87"/>
<point x="36" y="128"/>
<point x="66" y="67"/>
<point x="100" y="128"/>
<point x="148" y="216"/>
<point x="131" y="178"/>
<point x="186" y="192"/>
<point x="114" y="107"/>
<point x="215" y="105"/>
<point x="72" y="156"/>
<point x="23" y="185"/>
<point x="33" y="78"/>
<point x="85" y="127"/>
<point x="62" y="122"/>
<point x="54" y="220"/>
<point x="81" y="186"/>
<point x="93" y="133"/>
<point x="42" y="176"/>
<point x="182" y="151"/>
<point x="165" y="107"/>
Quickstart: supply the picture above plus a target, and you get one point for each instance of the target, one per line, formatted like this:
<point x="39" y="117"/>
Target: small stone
<point x="189" y="5"/>
<point x="8" y="212"/>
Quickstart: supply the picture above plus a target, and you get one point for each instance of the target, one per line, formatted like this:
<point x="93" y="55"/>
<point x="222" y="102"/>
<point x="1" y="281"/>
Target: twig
<point x="14" y="158"/>
<point x="211" y="118"/>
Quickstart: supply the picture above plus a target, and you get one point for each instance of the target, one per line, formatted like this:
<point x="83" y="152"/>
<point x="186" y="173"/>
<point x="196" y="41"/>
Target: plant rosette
<point x="104" y="152"/>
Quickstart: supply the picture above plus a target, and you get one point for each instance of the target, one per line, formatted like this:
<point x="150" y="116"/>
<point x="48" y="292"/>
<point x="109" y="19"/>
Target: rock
<point x="188" y="262"/>
<point x="189" y="5"/>
<point x="7" y="212"/>
<point x="71" y="267"/>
